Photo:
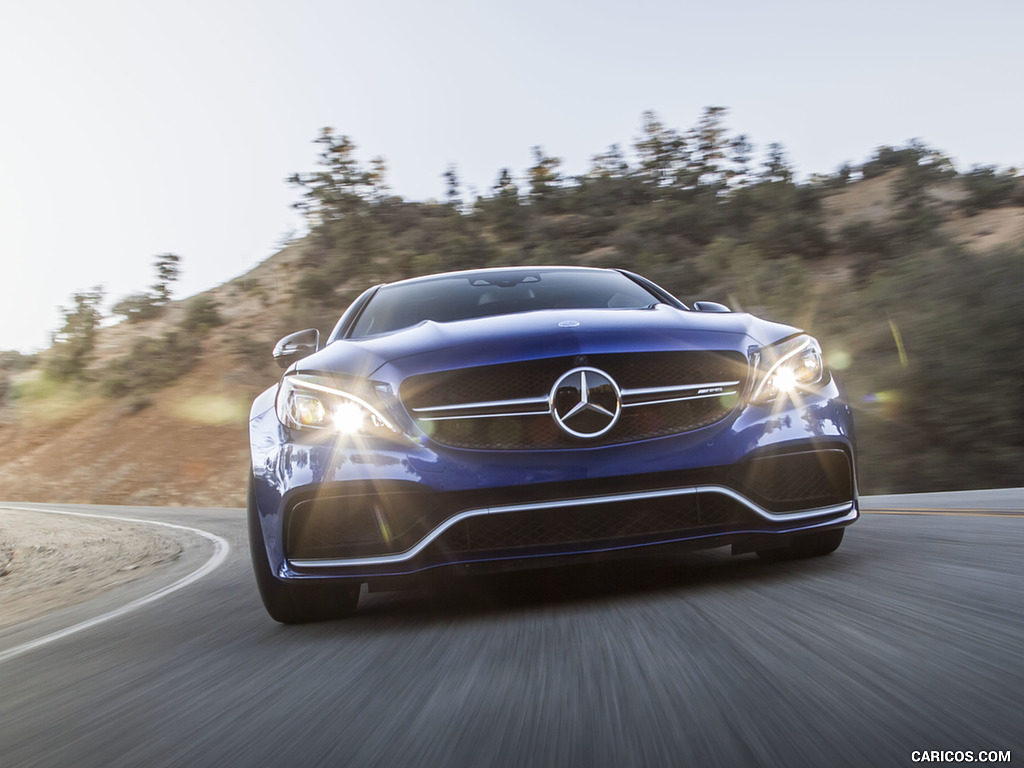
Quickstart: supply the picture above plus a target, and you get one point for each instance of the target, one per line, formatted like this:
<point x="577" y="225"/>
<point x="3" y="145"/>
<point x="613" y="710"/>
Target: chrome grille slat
<point x="681" y="388"/>
<point x="496" y="408"/>
<point x="487" y="409"/>
<point x="678" y="399"/>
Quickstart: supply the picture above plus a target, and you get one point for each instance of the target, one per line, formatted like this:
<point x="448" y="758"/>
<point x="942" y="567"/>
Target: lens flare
<point x="348" y="418"/>
<point x="784" y="380"/>
<point x="840" y="360"/>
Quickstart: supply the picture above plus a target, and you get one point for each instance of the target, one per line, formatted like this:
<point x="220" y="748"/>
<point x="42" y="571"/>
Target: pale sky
<point x="134" y="128"/>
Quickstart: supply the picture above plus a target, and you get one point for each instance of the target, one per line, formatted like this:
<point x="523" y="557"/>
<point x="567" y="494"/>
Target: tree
<point x="142" y="306"/>
<point x="662" y="152"/>
<point x="986" y="187"/>
<point x="741" y="153"/>
<point x="505" y="186"/>
<point x="451" y="187"/>
<point x="167" y="272"/>
<point x="776" y="167"/>
<point x="545" y="181"/>
<point x="609" y="186"/>
<point x="711" y="148"/>
<point x="920" y="167"/>
<point x="73" y="343"/>
<point x="927" y="164"/>
<point x="503" y="209"/>
<point x="341" y="186"/>
<point x="610" y="164"/>
<point x="377" y="179"/>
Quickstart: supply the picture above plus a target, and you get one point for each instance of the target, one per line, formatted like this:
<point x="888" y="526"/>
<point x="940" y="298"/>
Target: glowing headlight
<point x="306" y="402"/>
<point x="788" y="367"/>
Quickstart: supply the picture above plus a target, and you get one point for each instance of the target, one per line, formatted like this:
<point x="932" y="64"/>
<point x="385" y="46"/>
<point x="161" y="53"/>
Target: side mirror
<point x="296" y="346"/>
<point x="710" y="306"/>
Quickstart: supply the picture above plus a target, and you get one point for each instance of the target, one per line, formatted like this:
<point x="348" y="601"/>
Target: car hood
<point x="432" y="346"/>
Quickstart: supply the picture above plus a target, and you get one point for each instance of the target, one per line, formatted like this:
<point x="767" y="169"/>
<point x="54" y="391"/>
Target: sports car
<point x="496" y="419"/>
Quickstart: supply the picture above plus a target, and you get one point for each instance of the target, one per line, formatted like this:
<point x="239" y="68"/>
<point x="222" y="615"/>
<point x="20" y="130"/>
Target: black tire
<point x="294" y="603"/>
<point x="805" y="545"/>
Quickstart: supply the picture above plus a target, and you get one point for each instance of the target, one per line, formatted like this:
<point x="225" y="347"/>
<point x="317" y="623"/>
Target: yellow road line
<point x="956" y="513"/>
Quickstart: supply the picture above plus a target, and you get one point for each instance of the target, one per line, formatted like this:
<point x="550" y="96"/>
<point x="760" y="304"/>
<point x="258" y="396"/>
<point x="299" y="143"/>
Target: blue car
<point x="495" y="419"/>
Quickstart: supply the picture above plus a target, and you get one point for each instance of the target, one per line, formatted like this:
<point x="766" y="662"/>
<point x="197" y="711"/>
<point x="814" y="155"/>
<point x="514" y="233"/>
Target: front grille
<point x="528" y="424"/>
<point x="651" y="519"/>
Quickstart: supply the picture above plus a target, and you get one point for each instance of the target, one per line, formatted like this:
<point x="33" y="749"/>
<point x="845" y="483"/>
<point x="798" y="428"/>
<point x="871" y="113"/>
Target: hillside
<point x="158" y="414"/>
<point x="184" y="444"/>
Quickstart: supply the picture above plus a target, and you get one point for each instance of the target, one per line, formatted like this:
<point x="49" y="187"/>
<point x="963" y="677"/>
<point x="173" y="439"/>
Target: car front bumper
<point x="342" y="509"/>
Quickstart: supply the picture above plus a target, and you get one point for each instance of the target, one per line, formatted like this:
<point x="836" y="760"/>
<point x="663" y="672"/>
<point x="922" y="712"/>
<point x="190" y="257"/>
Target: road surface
<point x="907" y="639"/>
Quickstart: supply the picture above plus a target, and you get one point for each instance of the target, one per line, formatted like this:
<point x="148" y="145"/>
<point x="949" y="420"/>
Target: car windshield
<point x="448" y="298"/>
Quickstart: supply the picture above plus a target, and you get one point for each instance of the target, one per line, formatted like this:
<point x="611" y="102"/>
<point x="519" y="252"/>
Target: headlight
<point x="788" y="367"/>
<point x="307" y="402"/>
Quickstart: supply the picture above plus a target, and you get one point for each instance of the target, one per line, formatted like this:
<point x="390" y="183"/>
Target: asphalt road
<point x="908" y="638"/>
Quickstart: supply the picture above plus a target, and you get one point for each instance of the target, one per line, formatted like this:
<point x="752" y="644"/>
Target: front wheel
<point x="294" y="603"/>
<point x="802" y="545"/>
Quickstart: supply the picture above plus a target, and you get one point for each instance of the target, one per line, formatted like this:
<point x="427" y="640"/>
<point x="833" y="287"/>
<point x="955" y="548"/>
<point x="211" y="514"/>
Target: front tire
<point x="294" y="603"/>
<point x="815" y="544"/>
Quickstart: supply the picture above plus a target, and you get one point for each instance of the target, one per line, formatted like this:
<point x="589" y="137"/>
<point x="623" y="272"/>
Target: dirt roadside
<point x="49" y="561"/>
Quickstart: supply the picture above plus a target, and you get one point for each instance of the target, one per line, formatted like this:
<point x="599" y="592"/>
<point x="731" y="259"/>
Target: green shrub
<point x="201" y="315"/>
<point x="138" y="306"/>
<point x="152" y="364"/>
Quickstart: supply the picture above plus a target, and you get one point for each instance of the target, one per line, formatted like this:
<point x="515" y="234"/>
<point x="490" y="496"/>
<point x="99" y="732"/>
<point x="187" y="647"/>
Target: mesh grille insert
<point x="629" y="520"/>
<point x="535" y="379"/>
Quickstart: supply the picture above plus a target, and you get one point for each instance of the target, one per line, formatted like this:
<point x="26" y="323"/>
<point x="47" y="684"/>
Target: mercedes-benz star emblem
<point x="586" y="402"/>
